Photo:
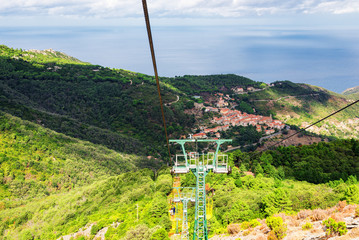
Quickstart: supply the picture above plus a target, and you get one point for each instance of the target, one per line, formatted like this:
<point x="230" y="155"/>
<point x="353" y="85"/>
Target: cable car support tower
<point x="185" y="195"/>
<point x="200" y="165"/>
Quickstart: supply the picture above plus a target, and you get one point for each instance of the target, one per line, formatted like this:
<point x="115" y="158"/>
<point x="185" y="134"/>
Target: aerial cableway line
<point x="303" y="129"/>
<point x="149" y="33"/>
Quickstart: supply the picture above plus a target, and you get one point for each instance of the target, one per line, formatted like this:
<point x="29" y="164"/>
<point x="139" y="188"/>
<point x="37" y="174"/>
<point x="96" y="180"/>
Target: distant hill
<point x="352" y="93"/>
<point x="197" y="84"/>
<point x="40" y="57"/>
<point x="120" y="109"/>
<point x="303" y="104"/>
<point x="352" y="90"/>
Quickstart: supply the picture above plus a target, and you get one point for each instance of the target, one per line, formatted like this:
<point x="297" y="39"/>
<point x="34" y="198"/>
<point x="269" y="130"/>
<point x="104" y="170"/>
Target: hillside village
<point x="229" y="118"/>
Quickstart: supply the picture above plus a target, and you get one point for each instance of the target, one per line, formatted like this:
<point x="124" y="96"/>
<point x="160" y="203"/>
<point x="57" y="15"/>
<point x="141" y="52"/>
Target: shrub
<point x="94" y="229"/>
<point x="254" y="223"/>
<point x="240" y="211"/>
<point x="233" y="228"/>
<point x="334" y="228"/>
<point x="342" y="205"/>
<point x="246" y="233"/>
<point x="273" y="222"/>
<point x="97" y="227"/>
<point x="219" y="231"/>
<point x="27" y="235"/>
<point x="81" y="237"/>
<point x="352" y="194"/>
<point x="280" y="232"/>
<point x="357" y="212"/>
<point x="245" y="225"/>
<point x="277" y="226"/>
<point x="303" y="214"/>
<point x="337" y="216"/>
<point x="272" y="236"/>
<point x="319" y="214"/>
<point x="160" y="234"/>
<point x="140" y="232"/>
<point x="307" y="226"/>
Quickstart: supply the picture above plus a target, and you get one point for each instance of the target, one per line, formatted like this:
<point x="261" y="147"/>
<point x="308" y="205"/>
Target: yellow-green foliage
<point x="271" y="236"/>
<point x="246" y="233"/>
<point x="252" y="224"/>
<point x="356" y="211"/>
<point x="245" y="225"/>
<point x="334" y="228"/>
<point x="102" y="202"/>
<point x="37" y="162"/>
<point x="277" y="226"/>
<point x="39" y="58"/>
<point x="273" y="222"/>
<point x="307" y="226"/>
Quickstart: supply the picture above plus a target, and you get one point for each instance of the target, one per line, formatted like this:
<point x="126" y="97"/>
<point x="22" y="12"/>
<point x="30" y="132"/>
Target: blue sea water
<point x="326" y="58"/>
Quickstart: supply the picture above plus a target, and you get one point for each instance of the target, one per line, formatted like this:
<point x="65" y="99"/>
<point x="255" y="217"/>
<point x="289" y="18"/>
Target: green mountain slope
<point x="302" y="104"/>
<point x="52" y="185"/>
<point x="195" y="85"/>
<point x="113" y="200"/>
<point x="102" y="203"/>
<point x="353" y="90"/>
<point x="352" y="93"/>
<point x="115" y="108"/>
<point x="37" y="162"/>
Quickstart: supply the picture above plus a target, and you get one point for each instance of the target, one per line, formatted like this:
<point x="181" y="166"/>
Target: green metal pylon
<point x="200" y="166"/>
<point x="185" y="196"/>
<point x="200" y="223"/>
<point x="185" y="232"/>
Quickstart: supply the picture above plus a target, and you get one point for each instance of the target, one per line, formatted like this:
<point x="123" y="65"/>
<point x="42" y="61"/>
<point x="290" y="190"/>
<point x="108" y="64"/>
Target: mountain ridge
<point x="119" y="108"/>
<point x="350" y="91"/>
<point x="53" y="184"/>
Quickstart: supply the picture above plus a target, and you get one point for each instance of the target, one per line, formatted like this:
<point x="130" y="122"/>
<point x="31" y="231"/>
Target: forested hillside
<point x="352" y="93"/>
<point x="112" y="201"/>
<point x="302" y="104"/>
<point x="116" y="108"/>
<point x="100" y="204"/>
<point x="317" y="163"/>
<point x="353" y="90"/>
<point x="73" y="138"/>
<point x="195" y="85"/>
<point x="37" y="162"/>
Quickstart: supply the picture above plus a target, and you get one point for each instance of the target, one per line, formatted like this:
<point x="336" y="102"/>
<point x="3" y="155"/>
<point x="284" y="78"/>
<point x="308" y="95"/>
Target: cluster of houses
<point x="237" y="118"/>
<point x="222" y="100"/>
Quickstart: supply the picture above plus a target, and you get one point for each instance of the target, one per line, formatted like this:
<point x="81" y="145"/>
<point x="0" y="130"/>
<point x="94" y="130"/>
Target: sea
<point x="323" y="57"/>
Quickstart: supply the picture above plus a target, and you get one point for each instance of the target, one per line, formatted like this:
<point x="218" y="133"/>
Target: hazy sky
<point x="313" y="41"/>
<point x="161" y="8"/>
<point x="14" y="11"/>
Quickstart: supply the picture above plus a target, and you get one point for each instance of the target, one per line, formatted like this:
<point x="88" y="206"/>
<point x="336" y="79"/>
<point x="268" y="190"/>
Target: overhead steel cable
<point x="306" y="128"/>
<point x="149" y="33"/>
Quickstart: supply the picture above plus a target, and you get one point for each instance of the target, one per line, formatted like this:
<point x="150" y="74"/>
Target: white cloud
<point x="170" y="8"/>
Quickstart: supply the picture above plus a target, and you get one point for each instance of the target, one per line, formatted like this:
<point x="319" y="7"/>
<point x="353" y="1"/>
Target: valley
<point x="82" y="147"/>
